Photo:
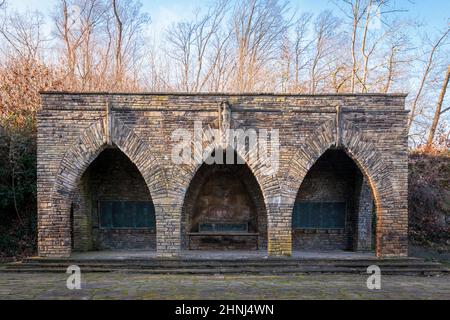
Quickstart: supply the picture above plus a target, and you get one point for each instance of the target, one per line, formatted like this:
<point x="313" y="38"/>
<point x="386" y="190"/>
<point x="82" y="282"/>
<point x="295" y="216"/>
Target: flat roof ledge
<point x="244" y="94"/>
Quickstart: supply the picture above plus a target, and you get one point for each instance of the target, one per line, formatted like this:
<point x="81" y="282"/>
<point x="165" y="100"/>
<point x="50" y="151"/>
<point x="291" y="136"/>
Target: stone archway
<point x="182" y="175"/>
<point x="390" y="237"/>
<point x="55" y="235"/>
<point x="332" y="209"/>
<point x="227" y="196"/>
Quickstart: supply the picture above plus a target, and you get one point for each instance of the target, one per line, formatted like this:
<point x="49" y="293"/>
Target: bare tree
<point x="23" y="33"/>
<point x="73" y="27"/>
<point x="103" y="42"/>
<point x="181" y="39"/>
<point x="357" y="10"/>
<point x="118" y="72"/>
<point x="301" y="47"/>
<point x="397" y="45"/>
<point x="439" y="112"/>
<point x="222" y="66"/>
<point x="258" y="26"/>
<point x="206" y="28"/>
<point x="325" y="27"/>
<point x="132" y="49"/>
<point x="364" y="53"/>
<point x="425" y="75"/>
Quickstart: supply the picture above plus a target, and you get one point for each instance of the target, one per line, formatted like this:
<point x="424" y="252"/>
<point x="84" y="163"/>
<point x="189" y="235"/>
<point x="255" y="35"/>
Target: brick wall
<point x="74" y="128"/>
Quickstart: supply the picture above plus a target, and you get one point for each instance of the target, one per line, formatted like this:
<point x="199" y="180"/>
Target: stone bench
<point x="223" y="240"/>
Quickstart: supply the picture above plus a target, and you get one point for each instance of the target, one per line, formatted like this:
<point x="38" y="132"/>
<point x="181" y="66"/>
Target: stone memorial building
<point x="324" y="173"/>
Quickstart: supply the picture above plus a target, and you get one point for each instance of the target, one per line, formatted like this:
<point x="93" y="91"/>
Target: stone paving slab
<point x="135" y="286"/>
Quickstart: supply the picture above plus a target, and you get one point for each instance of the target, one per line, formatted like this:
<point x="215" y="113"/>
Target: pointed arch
<point x="366" y="156"/>
<point x="182" y="174"/>
<point x="208" y="198"/>
<point x="354" y="143"/>
<point x="91" y="142"/>
<point x="307" y="154"/>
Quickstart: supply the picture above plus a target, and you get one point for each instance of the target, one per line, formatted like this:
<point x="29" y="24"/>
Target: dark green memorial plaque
<point x="318" y="215"/>
<point x="127" y="214"/>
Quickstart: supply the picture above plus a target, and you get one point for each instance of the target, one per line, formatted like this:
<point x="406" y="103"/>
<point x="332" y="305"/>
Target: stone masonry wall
<point x="73" y="129"/>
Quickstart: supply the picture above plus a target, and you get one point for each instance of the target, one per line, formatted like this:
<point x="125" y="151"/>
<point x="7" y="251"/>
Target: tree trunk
<point x="424" y="79"/>
<point x="437" y="113"/>
<point x="118" y="69"/>
<point x="363" y="48"/>
<point x="354" y="32"/>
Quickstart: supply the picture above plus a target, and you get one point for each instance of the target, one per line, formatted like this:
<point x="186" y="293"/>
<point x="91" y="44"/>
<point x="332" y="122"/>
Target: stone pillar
<point x="279" y="221"/>
<point x="54" y="234"/>
<point x="364" y="218"/>
<point x="392" y="233"/>
<point x="392" y="212"/>
<point x="168" y="228"/>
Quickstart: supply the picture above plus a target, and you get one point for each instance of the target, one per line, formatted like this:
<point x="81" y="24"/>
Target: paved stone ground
<point x="135" y="286"/>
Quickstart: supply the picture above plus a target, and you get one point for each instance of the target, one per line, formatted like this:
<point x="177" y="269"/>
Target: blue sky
<point x="434" y="13"/>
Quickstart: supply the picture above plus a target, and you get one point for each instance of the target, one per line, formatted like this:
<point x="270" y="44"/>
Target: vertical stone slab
<point x="82" y="239"/>
<point x="364" y="222"/>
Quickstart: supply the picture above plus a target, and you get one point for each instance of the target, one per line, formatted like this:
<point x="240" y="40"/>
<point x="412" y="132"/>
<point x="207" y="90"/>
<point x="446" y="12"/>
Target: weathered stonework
<point x="224" y="193"/>
<point x="74" y="128"/>
<point x="363" y="241"/>
<point x="111" y="176"/>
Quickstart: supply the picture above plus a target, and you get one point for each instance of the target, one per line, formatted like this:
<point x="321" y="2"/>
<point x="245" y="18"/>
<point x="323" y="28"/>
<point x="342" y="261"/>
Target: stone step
<point x="279" y="261"/>
<point x="212" y="271"/>
<point x="269" y="266"/>
<point x="187" y="264"/>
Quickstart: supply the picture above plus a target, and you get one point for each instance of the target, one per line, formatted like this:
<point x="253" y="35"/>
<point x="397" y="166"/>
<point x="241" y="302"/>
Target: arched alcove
<point x="112" y="207"/>
<point x="55" y="238"/>
<point x="375" y="169"/>
<point x="224" y="208"/>
<point x="334" y="206"/>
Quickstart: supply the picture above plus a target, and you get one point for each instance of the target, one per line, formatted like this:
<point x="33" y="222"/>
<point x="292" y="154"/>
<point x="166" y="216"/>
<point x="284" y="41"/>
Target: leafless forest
<point x="230" y="46"/>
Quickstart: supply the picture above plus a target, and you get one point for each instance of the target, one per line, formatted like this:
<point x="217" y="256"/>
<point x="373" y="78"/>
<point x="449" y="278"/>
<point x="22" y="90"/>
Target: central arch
<point x="182" y="175"/>
<point x="224" y="207"/>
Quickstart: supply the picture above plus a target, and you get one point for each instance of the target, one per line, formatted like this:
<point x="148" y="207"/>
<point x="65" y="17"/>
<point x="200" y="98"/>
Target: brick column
<point x="54" y="237"/>
<point x="168" y="229"/>
<point x="392" y="239"/>
<point x="279" y="221"/>
<point x="392" y="224"/>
